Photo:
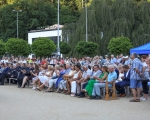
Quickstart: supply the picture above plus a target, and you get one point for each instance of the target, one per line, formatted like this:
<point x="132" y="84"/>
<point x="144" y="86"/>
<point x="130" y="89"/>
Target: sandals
<point x="68" y="93"/>
<point x="135" y="100"/>
<point x="49" y="91"/>
<point x="38" y="89"/>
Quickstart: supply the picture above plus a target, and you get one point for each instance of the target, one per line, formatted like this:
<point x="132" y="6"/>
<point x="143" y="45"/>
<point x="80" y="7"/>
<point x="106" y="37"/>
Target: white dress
<point x="44" y="78"/>
<point x="40" y="74"/>
<point x="74" y="84"/>
<point x="120" y="77"/>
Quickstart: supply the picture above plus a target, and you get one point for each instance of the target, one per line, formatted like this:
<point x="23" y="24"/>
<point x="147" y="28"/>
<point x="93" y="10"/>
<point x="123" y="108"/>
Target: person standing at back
<point x="135" y="76"/>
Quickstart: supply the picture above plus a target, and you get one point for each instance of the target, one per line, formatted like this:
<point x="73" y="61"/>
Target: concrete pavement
<point x="27" y="104"/>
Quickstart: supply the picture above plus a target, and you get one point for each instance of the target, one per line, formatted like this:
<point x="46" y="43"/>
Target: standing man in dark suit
<point x="125" y="82"/>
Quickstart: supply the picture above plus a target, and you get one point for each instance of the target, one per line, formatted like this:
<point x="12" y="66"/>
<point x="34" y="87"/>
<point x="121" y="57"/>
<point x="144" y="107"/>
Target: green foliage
<point x="108" y="19"/>
<point x="43" y="47"/>
<point x="17" y="47"/>
<point x="66" y="15"/>
<point x="36" y="14"/>
<point x="120" y="45"/>
<point x="87" y="48"/>
<point x="2" y="47"/>
<point x="64" y="48"/>
<point x="28" y="51"/>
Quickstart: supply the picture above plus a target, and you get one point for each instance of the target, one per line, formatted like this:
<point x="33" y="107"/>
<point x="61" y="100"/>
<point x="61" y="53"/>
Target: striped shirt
<point x="135" y="64"/>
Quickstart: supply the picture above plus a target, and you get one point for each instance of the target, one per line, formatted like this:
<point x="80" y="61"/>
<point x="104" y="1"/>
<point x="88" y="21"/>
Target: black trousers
<point x="145" y="87"/>
<point x="3" y="77"/>
<point x="20" y="80"/>
<point x="83" y="87"/>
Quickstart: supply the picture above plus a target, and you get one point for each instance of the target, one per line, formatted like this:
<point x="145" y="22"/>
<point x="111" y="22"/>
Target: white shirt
<point x="86" y="73"/>
<point x="5" y="61"/>
<point x="127" y="73"/>
<point x="52" y="61"/>
<point x="144" y="64"/>
<point x="119" y="60"/>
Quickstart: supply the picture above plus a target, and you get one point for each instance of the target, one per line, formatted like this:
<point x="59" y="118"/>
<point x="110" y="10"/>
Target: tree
<point x="108" y="19"/>
<point x="120" y="45"/>
<point x="17" y="47"/>
<point x="2" y="47"/>
<point x="64" y="48"/>
<point x="35" y="14"/>
<point x="28" y="51"/>
<point x="87" y="48"/>
<point x="43" y="47"/>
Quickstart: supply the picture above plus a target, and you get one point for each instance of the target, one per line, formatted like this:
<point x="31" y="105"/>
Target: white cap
<point x="126" y="57"/>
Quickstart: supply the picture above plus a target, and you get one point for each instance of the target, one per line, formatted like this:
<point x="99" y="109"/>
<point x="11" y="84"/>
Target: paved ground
<point x="27" y="104"/>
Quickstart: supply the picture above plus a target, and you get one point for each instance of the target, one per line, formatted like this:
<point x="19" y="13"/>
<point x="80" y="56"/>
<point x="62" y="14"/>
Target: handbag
<point x="145" y="75"/>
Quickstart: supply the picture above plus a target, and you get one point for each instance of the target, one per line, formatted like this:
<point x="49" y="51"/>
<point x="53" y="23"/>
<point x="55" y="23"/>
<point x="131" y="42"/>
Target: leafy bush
<point x="43" y="47"/>
<point x="120" y="45"/>
<point x="2" y="48"/>
<point x="64" y="48"/>
<point x="16" y="46"/>
<point x="87" y="48"/>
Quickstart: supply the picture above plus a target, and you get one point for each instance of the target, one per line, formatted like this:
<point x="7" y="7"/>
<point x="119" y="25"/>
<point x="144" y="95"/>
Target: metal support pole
<point x="58" y="49"/>
<point x="86" y="21"/>
<point x="17" y="24"/>
<point x="17" y="11"/>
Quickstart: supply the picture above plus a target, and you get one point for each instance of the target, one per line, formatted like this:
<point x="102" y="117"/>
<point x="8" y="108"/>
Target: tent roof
<point x="144" y="49"/>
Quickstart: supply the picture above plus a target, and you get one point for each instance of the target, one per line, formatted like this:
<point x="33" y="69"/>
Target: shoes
<point x="123" y="95"/>
<point x="98" y="98"/>
<point x="92" y="97"/>
<point x="143" y="99"/>
<point x="58" y="91"/>
<point x="120" y="95"/>
<point x="81" y="96"/>
<point x="72" y="95"/>
<point x="84" y="90"/>
<point x="34" y="88"/>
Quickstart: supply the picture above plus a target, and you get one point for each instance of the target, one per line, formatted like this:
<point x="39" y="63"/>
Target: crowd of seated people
<point x="75" y="77"/>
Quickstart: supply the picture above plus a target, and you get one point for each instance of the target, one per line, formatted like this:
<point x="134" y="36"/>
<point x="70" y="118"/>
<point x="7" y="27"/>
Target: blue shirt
<point x="112" y="76"/>
<point x="127" y="62"/>
<point x="67" y="71"/>
<point x="113" y="60"/>
<point x="136" y="63"/>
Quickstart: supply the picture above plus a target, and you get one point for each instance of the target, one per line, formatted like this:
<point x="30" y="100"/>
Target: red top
<point x="43" y="62"/>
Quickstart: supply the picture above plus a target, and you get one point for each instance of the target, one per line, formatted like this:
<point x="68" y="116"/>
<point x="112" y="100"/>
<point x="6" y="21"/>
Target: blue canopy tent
<point x="144" y="49"/>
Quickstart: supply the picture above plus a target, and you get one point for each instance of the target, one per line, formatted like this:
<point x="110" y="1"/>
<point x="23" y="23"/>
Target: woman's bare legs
<point x="35" y="82"/>
<point x="41" y="86"/>
<point x="39" y="83"/>
<point x="68" y="86"/>
<point x="24" y="81"/>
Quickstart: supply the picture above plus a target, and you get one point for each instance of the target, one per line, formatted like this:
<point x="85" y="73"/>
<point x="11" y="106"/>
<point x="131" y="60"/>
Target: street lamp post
<point x="86" y="21"/>
<point x="58" y="49"/>
<point x="17" y="19"/>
